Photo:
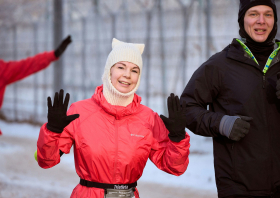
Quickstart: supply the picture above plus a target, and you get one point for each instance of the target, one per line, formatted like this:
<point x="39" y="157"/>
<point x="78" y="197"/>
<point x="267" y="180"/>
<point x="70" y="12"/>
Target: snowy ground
<point x="20" y="140"/>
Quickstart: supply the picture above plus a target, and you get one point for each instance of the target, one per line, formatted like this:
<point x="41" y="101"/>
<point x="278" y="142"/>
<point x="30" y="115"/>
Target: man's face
<point x="259" y="22"/>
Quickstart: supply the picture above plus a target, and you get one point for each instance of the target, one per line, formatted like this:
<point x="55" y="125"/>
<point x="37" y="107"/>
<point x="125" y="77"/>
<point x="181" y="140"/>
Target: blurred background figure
<point x="13" y="71"/>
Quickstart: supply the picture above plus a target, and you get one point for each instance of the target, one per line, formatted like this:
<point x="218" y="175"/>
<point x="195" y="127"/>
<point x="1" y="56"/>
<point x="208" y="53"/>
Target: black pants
<point x="241" y="196"/>
<point x="276" y="194"/>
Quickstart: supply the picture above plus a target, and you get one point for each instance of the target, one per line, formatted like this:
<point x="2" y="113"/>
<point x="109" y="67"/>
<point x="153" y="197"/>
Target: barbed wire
<point x="174" y="32"/>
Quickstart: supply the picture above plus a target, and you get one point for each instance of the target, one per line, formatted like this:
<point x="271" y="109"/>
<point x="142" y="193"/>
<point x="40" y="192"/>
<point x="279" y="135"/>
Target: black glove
<point x="57" y="118"/>
<point x="278" y="86"/>
<point x="176" y="122"/>
<point x="61" y="48"/>
<point x="240" y="128"/>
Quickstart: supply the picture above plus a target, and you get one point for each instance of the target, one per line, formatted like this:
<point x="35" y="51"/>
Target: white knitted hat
<point x="121" y="51"/>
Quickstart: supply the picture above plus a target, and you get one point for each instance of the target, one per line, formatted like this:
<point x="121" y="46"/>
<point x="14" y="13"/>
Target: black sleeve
<point x="202" y="89"/>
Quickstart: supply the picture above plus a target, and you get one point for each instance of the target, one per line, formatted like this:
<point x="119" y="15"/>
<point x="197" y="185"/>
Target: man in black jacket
<point x="239" y="86"/>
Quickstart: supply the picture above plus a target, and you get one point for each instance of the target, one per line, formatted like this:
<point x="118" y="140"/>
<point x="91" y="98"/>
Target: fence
<point x="179" y="35"/>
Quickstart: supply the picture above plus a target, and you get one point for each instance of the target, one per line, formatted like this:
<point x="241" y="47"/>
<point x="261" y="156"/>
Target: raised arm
<point x="169" y="156"/>
<point x="13" y="71"/>
<point x="53" y="136"/>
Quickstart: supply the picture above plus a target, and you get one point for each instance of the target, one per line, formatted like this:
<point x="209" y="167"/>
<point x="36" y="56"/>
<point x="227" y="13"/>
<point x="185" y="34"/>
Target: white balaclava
<point x="121" y="51"/>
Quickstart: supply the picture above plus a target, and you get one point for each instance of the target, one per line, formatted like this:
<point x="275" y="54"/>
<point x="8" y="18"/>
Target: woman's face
<point x="259" y="22"/>
<point x="124" y="76"/>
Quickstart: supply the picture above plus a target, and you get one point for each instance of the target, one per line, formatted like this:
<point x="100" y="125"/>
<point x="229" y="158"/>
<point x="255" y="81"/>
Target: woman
<point x="112" y="133"/>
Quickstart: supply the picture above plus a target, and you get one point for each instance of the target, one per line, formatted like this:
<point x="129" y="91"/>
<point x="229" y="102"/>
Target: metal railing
<point x="179" y="35"/>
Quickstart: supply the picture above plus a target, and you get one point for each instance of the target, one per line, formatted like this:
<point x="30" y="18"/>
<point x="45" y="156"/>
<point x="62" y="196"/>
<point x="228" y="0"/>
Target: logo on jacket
<point x="121" y="187"/>
<point x="135" y="135"/>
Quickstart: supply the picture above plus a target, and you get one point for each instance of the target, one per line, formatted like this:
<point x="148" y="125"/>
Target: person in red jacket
<point x="13" y="71"/>
<point x="112" y="132"/>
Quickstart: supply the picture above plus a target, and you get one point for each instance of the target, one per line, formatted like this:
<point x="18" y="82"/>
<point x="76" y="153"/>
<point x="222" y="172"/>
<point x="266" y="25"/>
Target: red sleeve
<point x="171" y="157"/>
<point x="49" y="143"/>
<point x="66" y="139"/>
<point x="17" y="70"/>
<point x="47" y="148"/>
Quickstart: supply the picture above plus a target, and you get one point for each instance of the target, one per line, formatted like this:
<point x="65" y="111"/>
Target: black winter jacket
<point x="231" y="83"/>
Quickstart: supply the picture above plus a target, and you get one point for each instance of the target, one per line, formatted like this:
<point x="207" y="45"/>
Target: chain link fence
<point x="179" y="35"/>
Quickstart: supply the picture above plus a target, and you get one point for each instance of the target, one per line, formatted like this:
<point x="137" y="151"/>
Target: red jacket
<point x="112" y="144"/>
<point x="13" y="71"/>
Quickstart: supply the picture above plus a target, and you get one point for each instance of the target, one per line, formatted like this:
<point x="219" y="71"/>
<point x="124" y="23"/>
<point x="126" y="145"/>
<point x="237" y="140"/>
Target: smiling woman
<point x="124" y="76"/>
<point x="122" y="73"/>
<point x="113" y="133"/>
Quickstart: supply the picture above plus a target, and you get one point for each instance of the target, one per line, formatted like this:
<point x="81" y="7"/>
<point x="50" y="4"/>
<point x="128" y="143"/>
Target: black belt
<point x="106" y="186"/>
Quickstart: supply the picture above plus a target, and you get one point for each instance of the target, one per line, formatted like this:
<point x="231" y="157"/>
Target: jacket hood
<point x="115" y="110"/>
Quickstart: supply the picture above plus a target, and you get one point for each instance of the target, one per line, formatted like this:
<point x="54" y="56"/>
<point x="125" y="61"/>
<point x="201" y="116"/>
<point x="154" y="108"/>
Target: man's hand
<point x="57" y="118"/>
<point x="240" y="128"/>
<point x="63" y="45"/>
<point x="176" y="122"/>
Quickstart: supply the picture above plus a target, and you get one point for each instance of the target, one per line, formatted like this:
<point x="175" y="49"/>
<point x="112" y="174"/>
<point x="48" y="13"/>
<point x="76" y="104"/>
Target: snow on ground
<point x="199" y="175"/>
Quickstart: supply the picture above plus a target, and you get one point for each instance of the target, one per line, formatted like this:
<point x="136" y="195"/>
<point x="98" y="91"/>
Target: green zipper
<point x="268" y="62"/>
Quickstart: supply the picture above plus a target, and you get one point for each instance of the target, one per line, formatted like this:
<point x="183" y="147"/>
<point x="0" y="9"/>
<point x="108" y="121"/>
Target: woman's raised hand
<point x="57" y="117"/>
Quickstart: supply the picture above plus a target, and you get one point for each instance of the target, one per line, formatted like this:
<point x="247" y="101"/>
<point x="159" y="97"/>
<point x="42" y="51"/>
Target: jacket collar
<point x="237" y="52"/>
<point x="117" y="111"/>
